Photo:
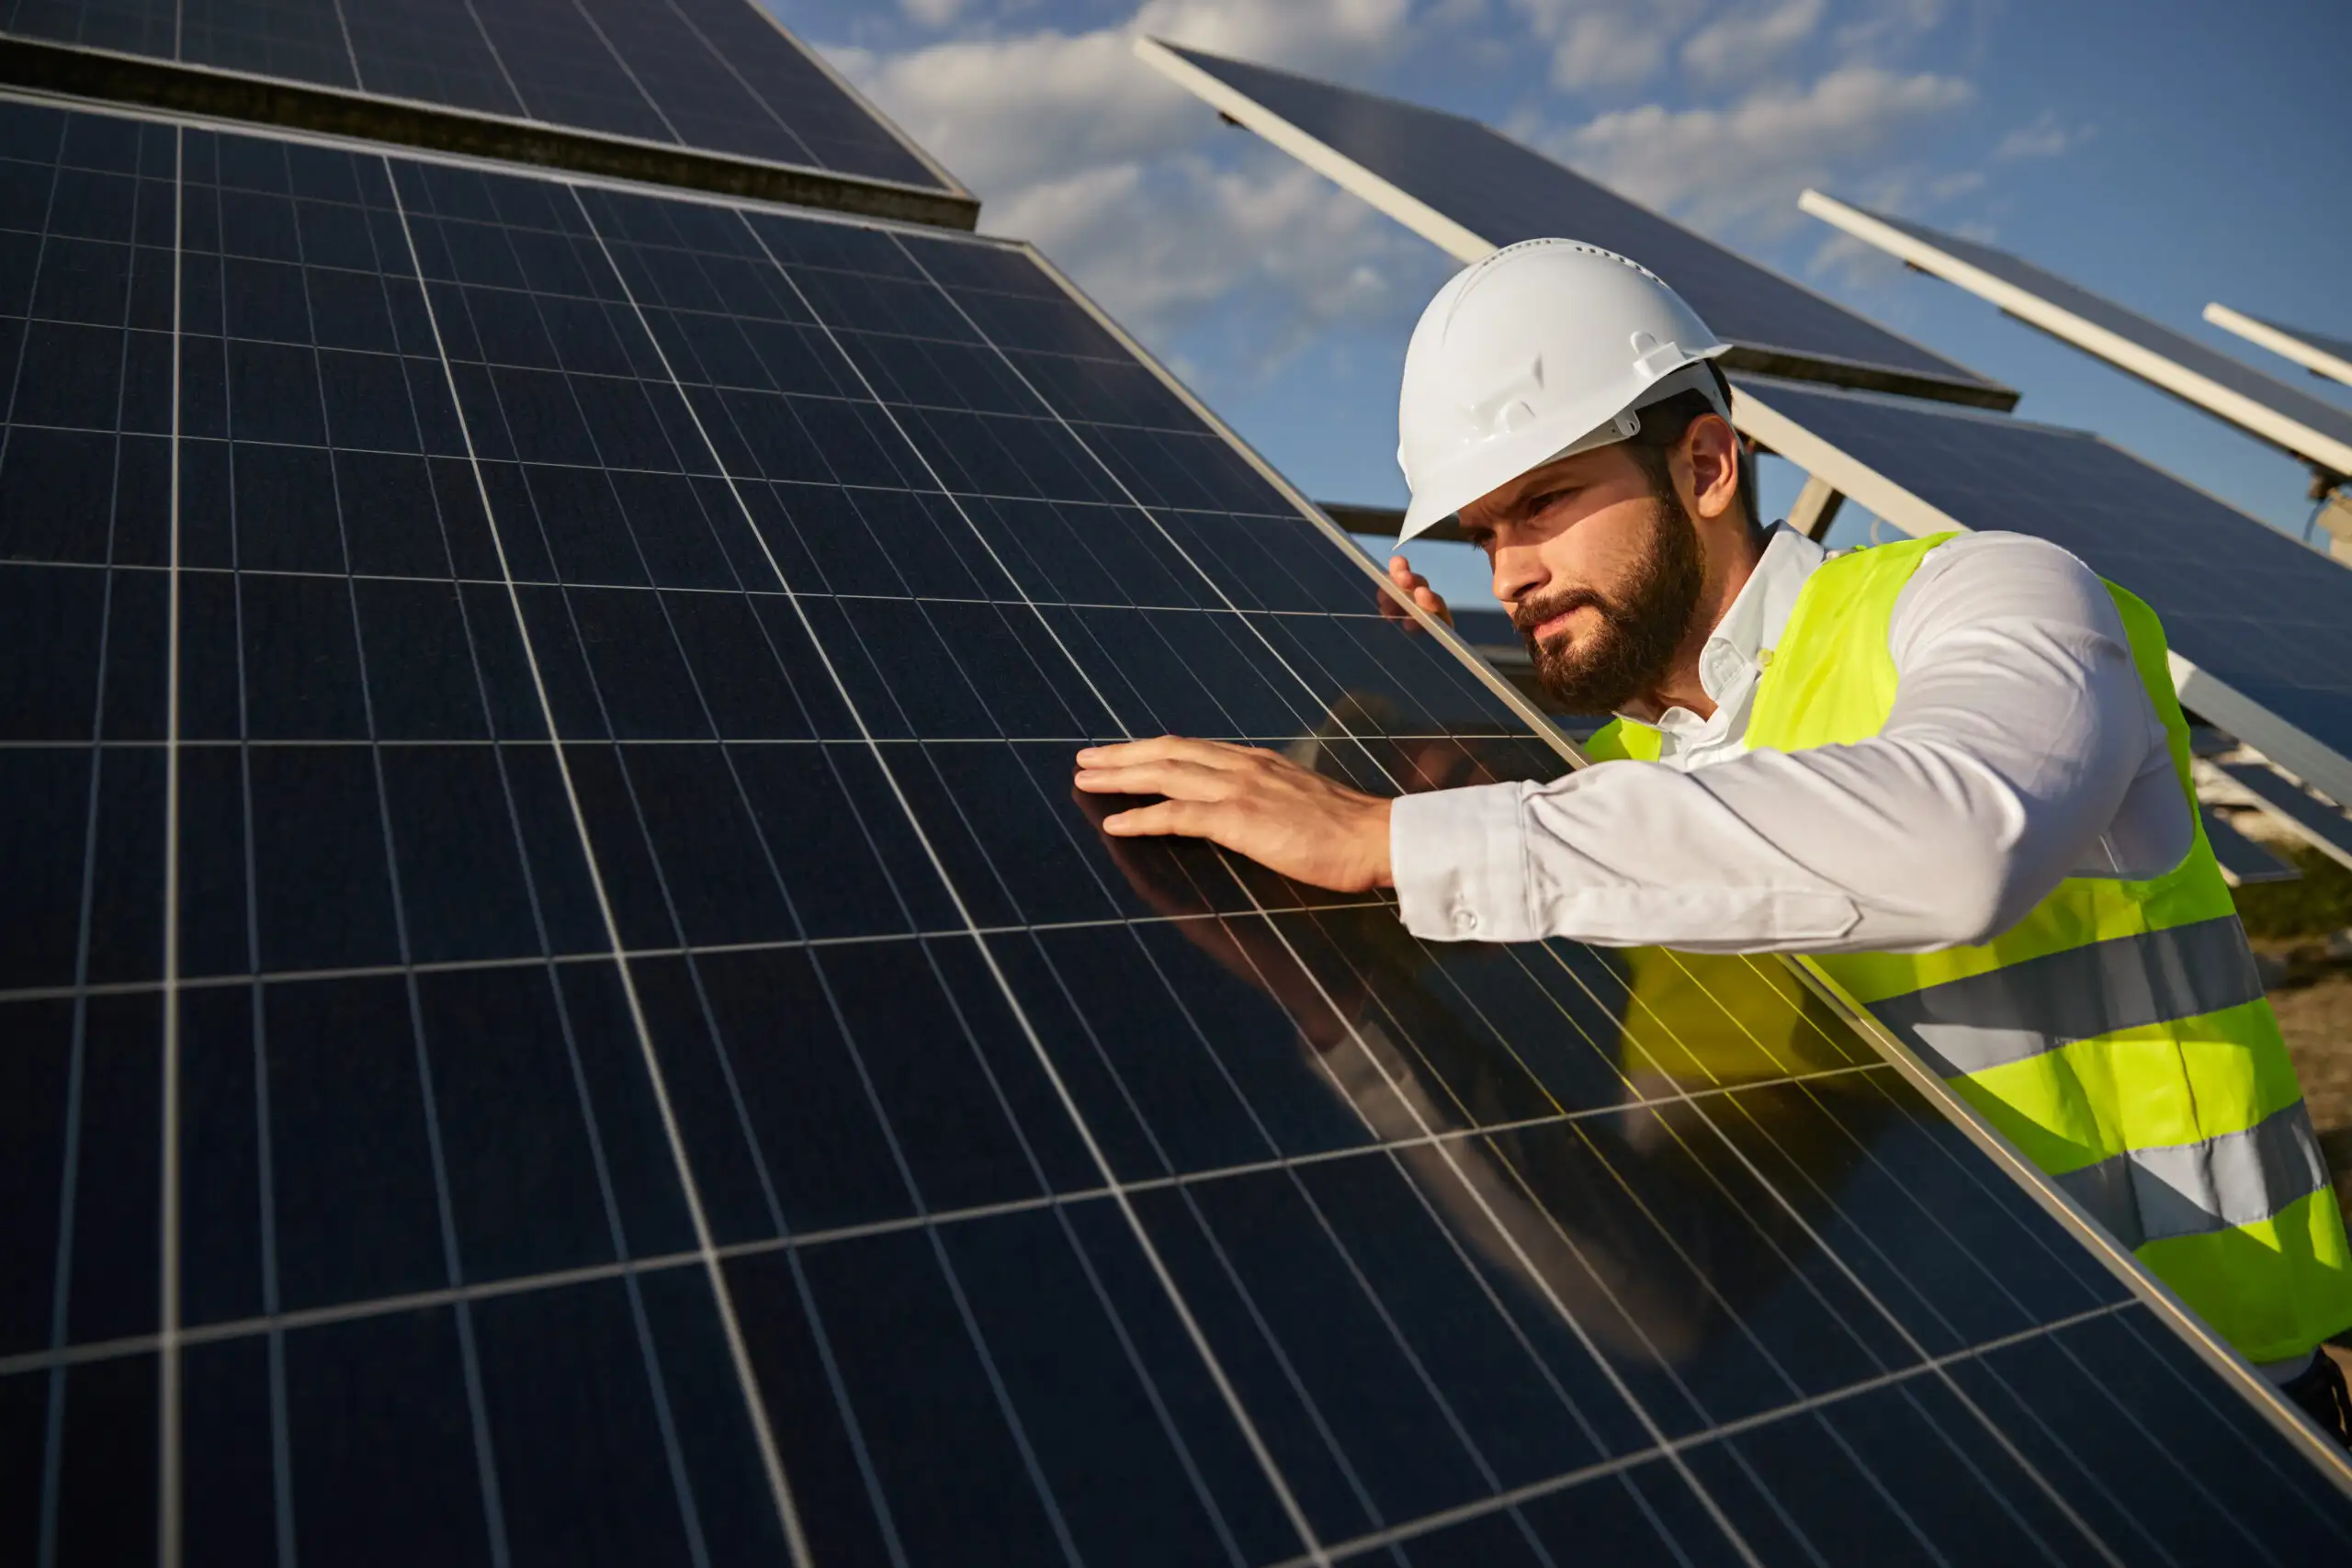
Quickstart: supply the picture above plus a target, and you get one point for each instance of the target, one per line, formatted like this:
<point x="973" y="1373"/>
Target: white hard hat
<point x="1541" y="349"/>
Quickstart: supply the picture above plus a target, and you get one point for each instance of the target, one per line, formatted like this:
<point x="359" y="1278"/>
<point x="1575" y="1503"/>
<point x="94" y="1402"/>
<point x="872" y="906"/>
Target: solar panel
<point x="2321" y="825"/>
<point x="2310" y="428"/>
<point x="2244" y="863"/>
<point x="2315" y="352"/>
<point x="1470" y="190"/>
<point x="692" y="92"/>
<point x="561" y="1007"/>
<point x="2260" y="627"/>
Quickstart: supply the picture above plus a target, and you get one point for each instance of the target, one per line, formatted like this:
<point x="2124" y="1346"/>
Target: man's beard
<point x="1642" y="623"/>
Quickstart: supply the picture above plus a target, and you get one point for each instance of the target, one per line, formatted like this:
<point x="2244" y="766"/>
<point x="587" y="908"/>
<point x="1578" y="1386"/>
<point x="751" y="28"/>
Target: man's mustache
<point x="1530" y="614"/>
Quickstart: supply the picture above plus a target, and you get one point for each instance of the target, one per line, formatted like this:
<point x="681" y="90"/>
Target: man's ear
<point x="1712" y="448"/>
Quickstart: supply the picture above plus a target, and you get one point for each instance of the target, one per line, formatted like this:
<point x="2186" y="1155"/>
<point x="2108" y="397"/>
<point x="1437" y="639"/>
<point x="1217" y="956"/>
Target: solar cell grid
<point x="636" y="936"/>
<point x="134" y="26"/>
<point x="431" y="49"/>
<point x="707" y="75"/>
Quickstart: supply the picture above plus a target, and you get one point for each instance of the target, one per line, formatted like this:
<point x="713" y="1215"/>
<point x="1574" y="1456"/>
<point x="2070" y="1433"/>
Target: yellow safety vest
<point x="2118" y="1034"/>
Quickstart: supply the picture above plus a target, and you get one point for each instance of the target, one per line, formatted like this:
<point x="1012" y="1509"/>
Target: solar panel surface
<point x="1489" y="191"/>
<point x="2243" y="862"/>
<point x="565" y="1011"/>
<point x="2311" y="428"/>
<point x="2265" y="618"/>
<point x="2320" y="825"/>
<point x="716" y="75"/>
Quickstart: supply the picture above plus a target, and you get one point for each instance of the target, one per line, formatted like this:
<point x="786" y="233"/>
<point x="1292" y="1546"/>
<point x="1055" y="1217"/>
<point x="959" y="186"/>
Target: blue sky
<point x="2163" y="153"/>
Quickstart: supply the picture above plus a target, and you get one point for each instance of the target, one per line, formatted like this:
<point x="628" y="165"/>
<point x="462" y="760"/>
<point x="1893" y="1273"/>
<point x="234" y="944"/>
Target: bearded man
<point x="1953" y="768"/>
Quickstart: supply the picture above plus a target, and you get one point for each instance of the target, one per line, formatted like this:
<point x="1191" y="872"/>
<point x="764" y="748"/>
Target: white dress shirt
<point x="2022" y="748"/>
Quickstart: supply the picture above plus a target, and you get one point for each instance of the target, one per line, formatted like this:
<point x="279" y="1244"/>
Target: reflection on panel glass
<point x="664" y="1065"/>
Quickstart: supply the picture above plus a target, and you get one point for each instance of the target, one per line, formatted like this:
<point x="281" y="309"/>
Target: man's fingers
<point x="1413" y="586"/>
<point x="1185" y="816"/>
<point x="1159" y="749"/>
<point x="1176" y="780"/>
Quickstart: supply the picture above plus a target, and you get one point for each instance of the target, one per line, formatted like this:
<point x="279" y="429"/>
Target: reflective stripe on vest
<point x="2102" y="988"/>
<point x="2117" y="1034"/>
<point x="2216" y="1184"/>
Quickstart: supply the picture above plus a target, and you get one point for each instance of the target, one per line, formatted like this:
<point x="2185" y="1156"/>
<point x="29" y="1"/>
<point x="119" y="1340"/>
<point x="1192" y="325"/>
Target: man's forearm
<point x="1625" y="854"/>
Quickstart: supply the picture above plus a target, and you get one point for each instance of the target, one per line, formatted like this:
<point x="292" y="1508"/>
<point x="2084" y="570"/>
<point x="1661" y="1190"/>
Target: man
<point x="1953" y="768"/>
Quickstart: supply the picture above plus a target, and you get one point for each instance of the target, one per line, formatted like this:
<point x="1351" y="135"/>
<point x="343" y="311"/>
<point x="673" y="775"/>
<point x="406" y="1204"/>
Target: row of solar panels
<point x="2261" y="629"/>
<point x="560" y="1008"/>
<point x="693" y="92"/>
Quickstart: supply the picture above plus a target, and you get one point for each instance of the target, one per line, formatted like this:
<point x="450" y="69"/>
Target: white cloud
<point x="1133" y="186"/>
<point x="1607" y="43"/>
<point x="1886" y="25"/>
<point x="1597" y="48"/>
<point x="1004" y="112"/>
<point x="1307" y="34"/>
<point x="2046" y="136"/>
<point x="1745" y="163"/>
<point x="1742" y="42"/>
<point x="931" y="13"/>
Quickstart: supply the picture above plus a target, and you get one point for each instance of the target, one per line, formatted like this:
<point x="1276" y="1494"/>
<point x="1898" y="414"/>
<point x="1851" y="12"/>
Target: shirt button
<point x="1465" y="919"/>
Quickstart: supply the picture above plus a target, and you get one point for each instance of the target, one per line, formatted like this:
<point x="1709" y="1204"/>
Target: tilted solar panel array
<point x="715" y="75"/>
<point x="1500" y="192"/>
<point x="565" y="1011"/>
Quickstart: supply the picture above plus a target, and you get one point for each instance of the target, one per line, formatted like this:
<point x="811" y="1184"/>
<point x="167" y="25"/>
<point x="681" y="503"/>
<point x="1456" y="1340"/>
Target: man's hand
<point x="1416" y="587"/>
<point x="1255" y="803"/>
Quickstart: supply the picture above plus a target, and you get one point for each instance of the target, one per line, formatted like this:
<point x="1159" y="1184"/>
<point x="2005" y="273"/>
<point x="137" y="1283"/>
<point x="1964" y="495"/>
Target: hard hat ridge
<point x="1538" y="351"/>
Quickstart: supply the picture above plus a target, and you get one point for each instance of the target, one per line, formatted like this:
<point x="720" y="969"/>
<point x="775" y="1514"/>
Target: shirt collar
<point x="1729" y="662"/>
<point x="1760" y="612"/>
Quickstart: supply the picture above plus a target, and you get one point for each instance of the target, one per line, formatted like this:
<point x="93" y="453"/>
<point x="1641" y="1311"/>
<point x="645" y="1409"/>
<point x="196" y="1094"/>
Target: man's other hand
<point x="1255" y="803"/>
<point x="1416" y="587"/>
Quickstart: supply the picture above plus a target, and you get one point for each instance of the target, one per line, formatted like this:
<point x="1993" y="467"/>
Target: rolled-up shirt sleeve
<point x="2021" y="748"/>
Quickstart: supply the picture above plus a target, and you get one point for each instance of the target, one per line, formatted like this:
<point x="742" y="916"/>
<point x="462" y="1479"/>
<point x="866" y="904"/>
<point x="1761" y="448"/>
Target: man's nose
<point x="1517" y="573"/>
